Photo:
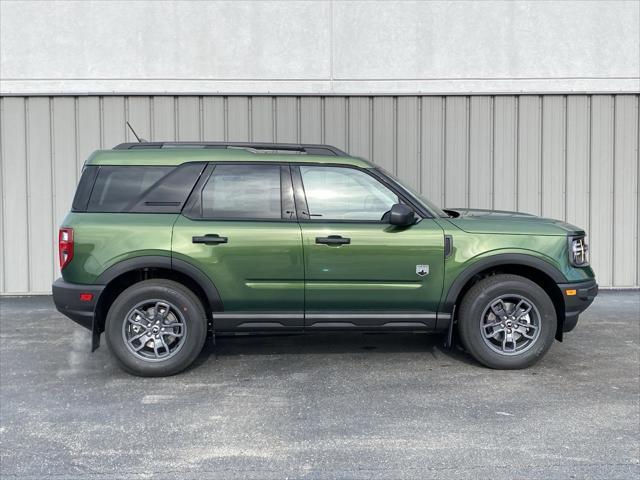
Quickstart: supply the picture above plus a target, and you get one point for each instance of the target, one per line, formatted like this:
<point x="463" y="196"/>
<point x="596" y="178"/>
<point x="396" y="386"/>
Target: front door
<point x="360" y="271"/>
<point x="239" y="228"/>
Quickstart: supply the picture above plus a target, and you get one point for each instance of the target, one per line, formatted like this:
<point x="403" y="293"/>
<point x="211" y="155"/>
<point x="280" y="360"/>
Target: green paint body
<point x="277" y="266"/>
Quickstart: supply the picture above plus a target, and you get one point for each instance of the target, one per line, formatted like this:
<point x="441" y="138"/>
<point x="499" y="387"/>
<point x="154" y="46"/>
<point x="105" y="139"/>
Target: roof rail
<point x="310" y="149"/>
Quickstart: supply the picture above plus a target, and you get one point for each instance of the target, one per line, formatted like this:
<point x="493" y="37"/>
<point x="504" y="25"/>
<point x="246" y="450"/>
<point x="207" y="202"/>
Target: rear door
<point x="362" y="272"/>
<point x="239" y="227"/>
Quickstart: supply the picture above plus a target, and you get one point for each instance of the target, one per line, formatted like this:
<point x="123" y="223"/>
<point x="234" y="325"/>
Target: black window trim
<point x="287" y="203"/>
<point x="303" y="208"/>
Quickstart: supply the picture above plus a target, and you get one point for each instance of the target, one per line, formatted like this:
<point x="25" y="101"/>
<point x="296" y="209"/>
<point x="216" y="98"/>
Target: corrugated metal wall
<point x="570" y="157"/>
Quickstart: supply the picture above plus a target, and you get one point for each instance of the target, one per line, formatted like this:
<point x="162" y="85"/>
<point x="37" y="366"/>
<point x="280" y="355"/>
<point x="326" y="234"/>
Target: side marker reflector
<point x="570" y="293"/>
<point x="86" y="297"/>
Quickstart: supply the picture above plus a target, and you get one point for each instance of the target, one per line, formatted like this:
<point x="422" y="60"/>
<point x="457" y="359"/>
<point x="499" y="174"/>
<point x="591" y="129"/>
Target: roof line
<point x="308" y="148"/>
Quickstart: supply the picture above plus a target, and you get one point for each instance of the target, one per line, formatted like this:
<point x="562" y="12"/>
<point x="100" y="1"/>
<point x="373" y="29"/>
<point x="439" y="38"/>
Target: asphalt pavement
<point x="324" y="406"/>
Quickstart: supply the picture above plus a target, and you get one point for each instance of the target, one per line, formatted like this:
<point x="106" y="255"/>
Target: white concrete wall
<point x="319" y="47"/>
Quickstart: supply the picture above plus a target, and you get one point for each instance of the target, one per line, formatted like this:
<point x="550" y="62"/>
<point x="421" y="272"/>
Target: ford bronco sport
<point x="167" y="243"/>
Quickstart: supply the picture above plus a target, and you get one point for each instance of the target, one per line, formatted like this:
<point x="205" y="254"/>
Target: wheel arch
<point x="122" y="275"/>
<point x="537" y="270"/>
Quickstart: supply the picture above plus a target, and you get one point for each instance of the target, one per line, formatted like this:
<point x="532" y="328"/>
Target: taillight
<point x="65" y="246"/>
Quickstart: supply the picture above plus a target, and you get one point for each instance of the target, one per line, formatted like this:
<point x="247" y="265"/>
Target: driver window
<point x="342" y="193"/>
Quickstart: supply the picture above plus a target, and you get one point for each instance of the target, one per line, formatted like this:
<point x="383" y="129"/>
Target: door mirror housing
<point x="401" y="215"/>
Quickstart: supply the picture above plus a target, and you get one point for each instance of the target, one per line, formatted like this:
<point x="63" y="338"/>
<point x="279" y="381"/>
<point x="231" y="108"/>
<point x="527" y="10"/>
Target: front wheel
<point x="156" y="328"/>
<point x="507" y="322"/>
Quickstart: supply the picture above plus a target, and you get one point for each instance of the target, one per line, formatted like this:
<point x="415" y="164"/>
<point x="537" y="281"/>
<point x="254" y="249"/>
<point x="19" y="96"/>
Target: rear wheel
<point x="156" y="328"/>
<point x="507" y="322"/>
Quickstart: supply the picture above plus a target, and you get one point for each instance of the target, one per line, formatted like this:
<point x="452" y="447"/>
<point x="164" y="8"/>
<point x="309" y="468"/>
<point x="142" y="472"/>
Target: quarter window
<point x="118" y="188"/>
<point x="243" y="191"/>
<point x="341" y="193"/>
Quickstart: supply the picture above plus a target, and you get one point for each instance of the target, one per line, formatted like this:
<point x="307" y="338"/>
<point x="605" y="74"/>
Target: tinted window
<point x="243" y="191"/>
<point x="81" y="198"/>
<point x="338" y="193"/>
<point x="169" y="194"/>
<point x="118" y="188"/>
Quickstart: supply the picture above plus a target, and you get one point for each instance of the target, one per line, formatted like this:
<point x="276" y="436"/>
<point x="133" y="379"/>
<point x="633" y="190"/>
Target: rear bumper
<point x="66" y="297"/>
<point x="574" y="305"/>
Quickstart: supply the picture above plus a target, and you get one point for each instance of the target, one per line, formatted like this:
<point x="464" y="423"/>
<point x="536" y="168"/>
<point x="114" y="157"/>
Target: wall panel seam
<point x="637" y="189"/>
<point x="516" y="153"/>
<point x="613" y="189"/>
<point x="565" y="106"/>
<point x="101" y="120"/>
<point x="371" y="142"/>
<point x="419" y="141"/>
<point x="200" y="118"/>
<point x="444" y="151"/>
<point x="589" y="167"/>
<point x="3" y="200"/>
<point x="152" y="122"/>
<point x="493" y="152"/>
<point x="541" y="152"/>
<point x="126" y="118"/>
<point x="52" y="179"/>
<point x="467" y="194"/>
<point x="27" y="192"/>
<point x="395" y="136"/>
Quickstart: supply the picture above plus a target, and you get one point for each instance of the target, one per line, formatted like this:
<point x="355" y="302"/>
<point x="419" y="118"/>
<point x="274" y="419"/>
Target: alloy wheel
<point x="510" y="324"/>
<point x="154" y="330"/>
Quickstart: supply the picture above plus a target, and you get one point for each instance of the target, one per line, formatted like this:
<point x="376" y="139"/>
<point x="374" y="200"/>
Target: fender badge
<point x="422" y="270"/>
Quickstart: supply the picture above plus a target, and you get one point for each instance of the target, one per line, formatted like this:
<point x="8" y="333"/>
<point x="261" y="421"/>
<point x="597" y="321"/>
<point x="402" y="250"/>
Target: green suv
<point x="167" y="243"/>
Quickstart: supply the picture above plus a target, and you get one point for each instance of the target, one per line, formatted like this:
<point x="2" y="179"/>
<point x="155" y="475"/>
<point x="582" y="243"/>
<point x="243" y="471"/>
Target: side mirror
<point x="401" y="215"/>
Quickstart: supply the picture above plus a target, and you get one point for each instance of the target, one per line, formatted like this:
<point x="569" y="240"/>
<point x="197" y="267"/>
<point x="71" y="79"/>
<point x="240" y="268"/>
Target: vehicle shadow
<point x="331" y="343"/>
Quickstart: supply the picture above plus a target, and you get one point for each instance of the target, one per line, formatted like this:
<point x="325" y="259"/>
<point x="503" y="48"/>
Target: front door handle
<point x="333" y="240"/>
<point x="210" y="239"/>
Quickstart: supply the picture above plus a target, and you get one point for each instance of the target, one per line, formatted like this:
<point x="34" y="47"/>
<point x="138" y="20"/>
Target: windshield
<point x="430" y="206"/>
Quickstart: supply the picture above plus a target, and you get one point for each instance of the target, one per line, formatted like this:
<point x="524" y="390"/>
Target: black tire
<point x="188" y="311"/>
<point x="476" y="312"/>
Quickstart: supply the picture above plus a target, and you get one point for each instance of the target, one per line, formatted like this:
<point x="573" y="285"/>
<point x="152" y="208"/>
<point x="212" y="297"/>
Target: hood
<point x="475" y="220"/>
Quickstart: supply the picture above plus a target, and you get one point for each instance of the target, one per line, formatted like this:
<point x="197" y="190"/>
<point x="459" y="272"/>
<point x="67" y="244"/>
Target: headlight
<point x="578" y="251"/>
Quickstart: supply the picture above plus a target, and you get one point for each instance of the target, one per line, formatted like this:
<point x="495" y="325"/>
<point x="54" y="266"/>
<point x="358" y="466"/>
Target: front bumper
<point x="66" y="297"/>
<point x="574" y="305"/>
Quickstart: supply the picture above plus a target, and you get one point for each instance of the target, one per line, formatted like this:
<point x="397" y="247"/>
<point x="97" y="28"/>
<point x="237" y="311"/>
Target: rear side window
<point x="243" y="192"/>
<point x="169" y="194"/>
<point x="118" y="188"/>
<point x="81" y="198"/>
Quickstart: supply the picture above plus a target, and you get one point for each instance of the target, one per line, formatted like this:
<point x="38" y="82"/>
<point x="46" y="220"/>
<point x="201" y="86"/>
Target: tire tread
<point x="182" y="360"/>
<point x="468" y="315"/>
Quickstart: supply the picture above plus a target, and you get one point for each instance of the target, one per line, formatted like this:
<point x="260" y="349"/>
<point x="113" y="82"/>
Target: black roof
<point x="309" y="149"/>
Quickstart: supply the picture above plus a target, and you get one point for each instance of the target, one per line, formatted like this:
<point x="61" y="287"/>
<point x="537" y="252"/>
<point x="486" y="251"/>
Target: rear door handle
<point x="210" y="239"/>
<point x="333" y="240"/>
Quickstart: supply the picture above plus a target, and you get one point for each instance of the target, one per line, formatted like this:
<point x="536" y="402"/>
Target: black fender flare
<point x="495" y="261"/>
<point x="168" y="263"/>
<point x="155" y="261"/>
